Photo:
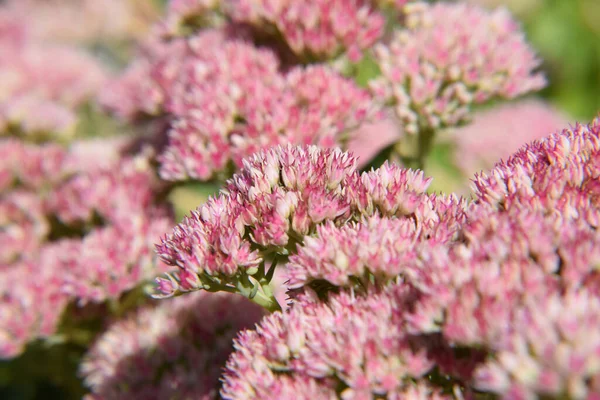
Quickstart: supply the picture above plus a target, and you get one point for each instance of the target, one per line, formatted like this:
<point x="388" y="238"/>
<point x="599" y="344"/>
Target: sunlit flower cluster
<point x="508" y="305"/>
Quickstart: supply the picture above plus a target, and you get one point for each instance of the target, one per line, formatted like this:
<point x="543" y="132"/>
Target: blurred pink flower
<point x="77" y="21"/>
<point x="495" y="134"/>
<point x="53" y="247"/>
<point x="42" y="84"/>
<point x="175" y="350"/>
<point x="315" y="29"/>
<point x="31" y="298"/>
<point x="312" y="105"/>
<point x="23" y="225"/>
<point x="449" y="57"/>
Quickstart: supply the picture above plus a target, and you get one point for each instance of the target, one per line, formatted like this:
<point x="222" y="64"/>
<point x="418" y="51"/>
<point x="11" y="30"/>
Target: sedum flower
<point x="315" y="29"/>
<point x="31" y="298"/>
<point x="43" y="83"/>
<point x="174" y="350"/>
<point x="352" y="347"/>
<point x="30" y="166"/>
<point x="374" y="251"/>
<point x="557" y="175"/>
<point x="112" y="192"/>
<point x="23" y="225"/>
<point x="75" y="225"/>
<point x="278" y="198"/>
<point x="449" y="57"/>
<point x="103" y="268"/>
<point x="312" y="105"/>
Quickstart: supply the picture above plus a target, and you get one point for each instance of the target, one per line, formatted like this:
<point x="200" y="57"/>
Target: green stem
<point x="425" y="143"/>
<point x="414" y="149"/>
<point x="267" y="302"/>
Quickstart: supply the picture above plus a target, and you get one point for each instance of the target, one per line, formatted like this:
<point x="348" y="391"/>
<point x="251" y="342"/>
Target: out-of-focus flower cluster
<point x="449" y="57"/>
<point x="187" y="339"/>
<point x="71" y="228"/>
<point x="42" y="84"/>
<point x="81" y="21"/>
<point x="318" y="29"/>
<point x="226" y="99"/>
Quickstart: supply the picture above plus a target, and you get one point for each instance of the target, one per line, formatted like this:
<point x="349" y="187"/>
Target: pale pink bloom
<point x="312" y="105"/>
<point x="114" y="259"/>
<point x="112" y="193"/>
<point x="51" y="72"/>
<point x="32" y="298"/>
<point x="277" y="199"/>
<point x="77" y="21"/>
<point x="449" y="57"/>
<point x="31" y="166"/>
<point x="356" y="343"/>
<point x="495" y="134"/>
<point x="52" y="250"/>
<point x="174" y="350"/>
<point x="374" y="251"/>
<point x="315" y="29"/>
<point x="557" y="175"/>
<point x="42" y="85"/>
<point x="23" y="226"/>
<point x="36" y="118"/>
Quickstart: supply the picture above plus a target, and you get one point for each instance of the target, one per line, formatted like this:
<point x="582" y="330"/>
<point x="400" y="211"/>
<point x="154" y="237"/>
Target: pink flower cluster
<point x="435" y="296"/>
<point x="83" y="228"/>
<point x="280" y="197"/>
<point x="449" y="57"/>
<point x="316" y="29"/>
<point x="557" y="175"/>
<point x="174" y="350"/>
<point x="42" y="83"/>
<point x="226" y="99"/>
<point x="356" y="341"/>
<point x="83" y="21"/>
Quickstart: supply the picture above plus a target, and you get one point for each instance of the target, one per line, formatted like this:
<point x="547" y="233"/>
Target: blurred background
<point x="566" y="34"/>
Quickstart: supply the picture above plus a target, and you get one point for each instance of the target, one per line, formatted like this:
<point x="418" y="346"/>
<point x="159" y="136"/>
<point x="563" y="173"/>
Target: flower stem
<point x="414" y="149"/>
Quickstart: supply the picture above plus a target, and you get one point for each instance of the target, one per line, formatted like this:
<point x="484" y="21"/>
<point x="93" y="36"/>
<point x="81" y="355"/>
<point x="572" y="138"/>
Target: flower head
<point x="449" y="57"/>
<point x="557" y="175"/>
<point x="175" y="349"/>
<point x="317" y="29"/>
<point x="311" y="341"/>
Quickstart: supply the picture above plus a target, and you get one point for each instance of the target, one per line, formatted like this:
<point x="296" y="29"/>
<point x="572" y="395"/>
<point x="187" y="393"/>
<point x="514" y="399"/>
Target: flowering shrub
<point x="313" y="272"/>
